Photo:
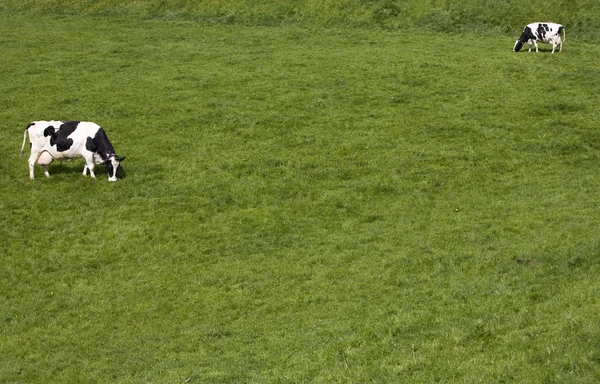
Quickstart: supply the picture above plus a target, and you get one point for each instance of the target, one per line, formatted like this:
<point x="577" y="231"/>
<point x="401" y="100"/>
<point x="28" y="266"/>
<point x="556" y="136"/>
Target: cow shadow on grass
<point x="60" y="167"/>
<point x="121" y="173"/>
<point x="67" y="168"/>
<point x="542" y="49"/>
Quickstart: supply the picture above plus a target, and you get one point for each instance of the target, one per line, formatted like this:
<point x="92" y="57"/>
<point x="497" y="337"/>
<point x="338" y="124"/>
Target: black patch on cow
<point x="69" y="126"/>
<point x="61" y="138"/>
<point x="49" y="131"/>
<point x="110" y="169"/>
<point x="100" y="144"/>
<point x="90" y="145"/>
<point x="527" y="35"/>
<point x="64" y="145"/>
<point x="541" y="31"/>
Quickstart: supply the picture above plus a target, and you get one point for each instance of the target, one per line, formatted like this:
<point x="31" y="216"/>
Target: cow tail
<point x="24" y="139"/>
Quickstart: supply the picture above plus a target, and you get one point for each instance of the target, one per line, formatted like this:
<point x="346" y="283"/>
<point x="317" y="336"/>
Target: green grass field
<point x="300" y="204"/>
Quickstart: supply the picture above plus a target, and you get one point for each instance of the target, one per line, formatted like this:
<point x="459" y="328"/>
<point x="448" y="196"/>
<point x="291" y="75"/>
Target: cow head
<point x="525" y="36"/>
<point x="112" y="164"/>
<point x="518" y="46"/>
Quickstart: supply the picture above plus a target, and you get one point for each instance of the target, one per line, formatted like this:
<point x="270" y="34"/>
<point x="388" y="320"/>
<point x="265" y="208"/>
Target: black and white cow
<point x="65" y="140"/>
<point x="544" y="32"/>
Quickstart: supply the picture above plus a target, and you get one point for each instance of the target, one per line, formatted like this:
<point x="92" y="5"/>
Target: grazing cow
<point x="544" y="32"/>
<point x="65" y="140"/>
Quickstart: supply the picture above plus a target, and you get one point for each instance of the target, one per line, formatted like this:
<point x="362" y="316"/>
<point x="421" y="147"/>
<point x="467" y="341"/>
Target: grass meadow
<point x="325" y="205"/>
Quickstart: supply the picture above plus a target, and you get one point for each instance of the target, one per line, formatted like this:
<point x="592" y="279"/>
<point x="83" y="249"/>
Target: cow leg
<point x="536" y="46"/>
<point x="89" y="165"/>
<point x="32" y="159"/>
<point x="91" y="169"/>
<point x="45" y="169"/>
<point x="31" y="164"/>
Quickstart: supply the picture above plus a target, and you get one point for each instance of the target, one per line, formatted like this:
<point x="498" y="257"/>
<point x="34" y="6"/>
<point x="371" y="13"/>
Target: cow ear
<point x="121" y="158"/>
